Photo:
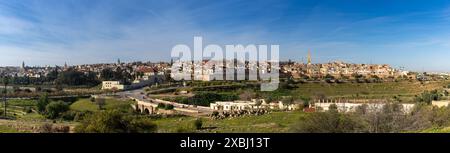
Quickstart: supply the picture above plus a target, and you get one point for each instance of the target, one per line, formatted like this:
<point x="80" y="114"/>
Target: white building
<point x="351" y="107"/>
<point x="253" y="104"/>
<point x="109" y="85"/>
<point x="443" y="103"/>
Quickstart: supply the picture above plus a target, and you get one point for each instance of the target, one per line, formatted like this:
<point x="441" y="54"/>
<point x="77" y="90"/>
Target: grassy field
<point x="386" y="89"/>
<point x="436" y="130"/>
<point x="17" y="108"/>
<point x="403" y="90"/>
<point x="275" y="122"/>
<point x="6" y="129"/>
<point x="85" y="104"/>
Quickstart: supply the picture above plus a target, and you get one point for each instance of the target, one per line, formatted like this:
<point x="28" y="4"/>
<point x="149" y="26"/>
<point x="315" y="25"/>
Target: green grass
<point x="275" y="122"/>
<point x="436" y="130"/>
<point x="6" y="129"/>
<point x="367" y="90"/>
<point x="22" y="102"/>
<point x="403" y="90"/>
<point x="34" y="117"/>
<point x="85" y="104"/>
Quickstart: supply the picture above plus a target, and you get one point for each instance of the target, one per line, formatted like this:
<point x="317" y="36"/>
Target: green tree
<point x="55" y="109"/>
<point x="5" y="81"/>
<point x="101" y="102"/>
<point x="42" y="103"/>
<point x="333" y="107"/>
<point x="328" y="122"/>
<point x="114" y="121"/>
<point x="198" y="123"/>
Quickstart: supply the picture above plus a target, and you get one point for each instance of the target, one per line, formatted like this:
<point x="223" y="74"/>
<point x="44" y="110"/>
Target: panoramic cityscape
<point x="255" y="67"/>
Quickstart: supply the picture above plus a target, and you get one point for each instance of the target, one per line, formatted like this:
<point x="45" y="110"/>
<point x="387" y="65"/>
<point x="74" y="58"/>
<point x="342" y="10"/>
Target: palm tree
<point x="5" y="82"/>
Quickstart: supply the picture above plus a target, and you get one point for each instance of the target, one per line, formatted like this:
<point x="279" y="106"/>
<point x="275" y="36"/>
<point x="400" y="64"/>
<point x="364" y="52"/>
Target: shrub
<point x="205" y="98"/>
<point x="69" y="115"/>
<point x="55" y="109"/>
<point x="169" y="107"/>
<point x="161" y="106"/>
<point x="27" y="110"/>
<point x="42" y="103"/>
<point x="46" y="128"/>
<point x="328" y="122"/>
<point x="198" y="123"/>
<point x="114" y="121"/>
<point x="50" y="128"/>
<point x="92" y="99"/>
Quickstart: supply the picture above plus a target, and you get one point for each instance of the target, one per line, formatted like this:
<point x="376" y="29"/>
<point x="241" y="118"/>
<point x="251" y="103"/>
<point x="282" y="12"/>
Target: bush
<point x="165" y="106"/>
<point x="55" y="109"/>
<point x="69" y="115"/>
<point x="198" y="123"/>
<point x="328" y="122"/>
<point x="161" y="106"/>
<point x="79" y="116"/>
<point x="50" y="128"/>
<point x="92" y="99"/>
<point x="42" y="103"/>
<point x="205" y="98"/>
<point x="27" y="110"/>
<point x="185" y="130"/>
<point x="169" y="107"/>
<point x="114" y="121"/>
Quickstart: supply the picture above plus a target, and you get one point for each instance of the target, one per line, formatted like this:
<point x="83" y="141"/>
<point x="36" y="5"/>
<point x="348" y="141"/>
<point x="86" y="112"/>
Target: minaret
<point x="309" y="57"/>
<point x="308" y="66"/>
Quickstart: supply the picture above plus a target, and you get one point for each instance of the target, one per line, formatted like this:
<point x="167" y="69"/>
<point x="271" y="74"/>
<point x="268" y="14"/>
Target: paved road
<point x="140" y="95"/>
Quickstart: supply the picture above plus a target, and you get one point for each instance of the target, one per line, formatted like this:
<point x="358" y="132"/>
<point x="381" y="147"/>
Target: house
<point x="110" y="85"/>
<point x="253" y="104"/>
<point x="443" y="103"/>
<point x="232" y="105"/>
<point x="352" y="107"/>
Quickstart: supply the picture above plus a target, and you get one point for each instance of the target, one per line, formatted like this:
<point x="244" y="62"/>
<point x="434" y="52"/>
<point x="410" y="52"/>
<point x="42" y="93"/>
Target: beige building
<point x="442" y="103"/>
<point x="109" y="85"/>
<point x="253" y="104"/>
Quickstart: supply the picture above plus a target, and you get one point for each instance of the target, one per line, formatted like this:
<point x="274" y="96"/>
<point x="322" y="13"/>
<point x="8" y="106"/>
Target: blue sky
<point x="408" y="33"/>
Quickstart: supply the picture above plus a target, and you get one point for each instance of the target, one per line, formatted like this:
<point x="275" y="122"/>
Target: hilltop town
<point x="151" y="89"/>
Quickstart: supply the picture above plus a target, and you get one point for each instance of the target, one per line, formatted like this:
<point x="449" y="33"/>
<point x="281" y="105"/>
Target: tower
<point x="309" y="57"/>
<point x="118" y="61"/>
<point x="23" y="64"/>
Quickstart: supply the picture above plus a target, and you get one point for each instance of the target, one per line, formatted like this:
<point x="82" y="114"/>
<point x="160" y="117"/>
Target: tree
<point x="72" y="77"/>
<point x="5" y="81"/>
<point x="247" y="95"/>
<point x="198" y="123"/>
<point x="390" y="118"/>
<point x="106" y="74"/>
<point x="319" y="95"/>
<point x="55" y="109"/>
<point x="288" y="100"/>
<point x="92" y="99"/>
<point x="328" y="122"/>
<point x="333" y="107"/>
<point x="114" y="121"/>
<point x="169" y="107"/>
<point x="42" y="103"/>
<point x="101" y="103"/>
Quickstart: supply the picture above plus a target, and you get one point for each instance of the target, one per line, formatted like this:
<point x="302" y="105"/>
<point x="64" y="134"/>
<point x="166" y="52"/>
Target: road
<point x="139" y="94"/>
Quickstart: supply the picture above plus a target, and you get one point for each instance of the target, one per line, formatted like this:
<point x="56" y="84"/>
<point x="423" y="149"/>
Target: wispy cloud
<point x="82" y="31"/>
